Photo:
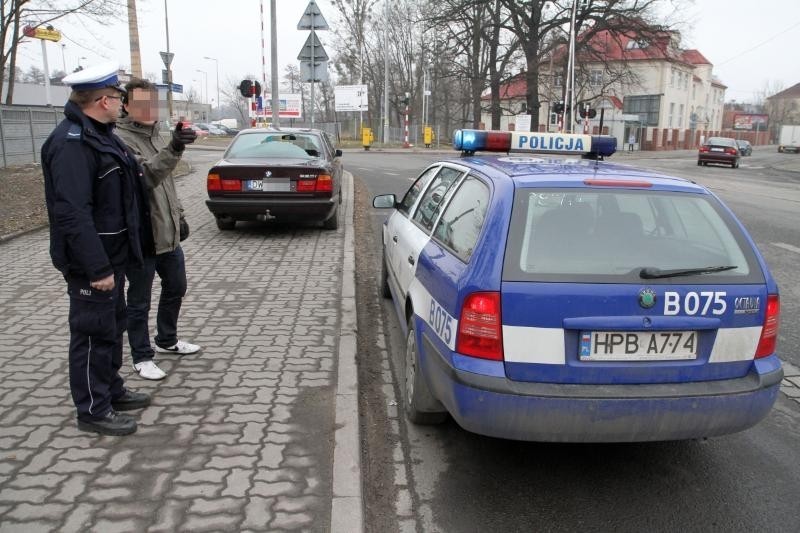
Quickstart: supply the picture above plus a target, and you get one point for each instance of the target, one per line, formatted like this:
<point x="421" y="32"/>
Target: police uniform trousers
<point x="97" y="320"/>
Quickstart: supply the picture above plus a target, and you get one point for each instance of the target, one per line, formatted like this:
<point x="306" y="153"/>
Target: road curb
<point x="347" y="501"/>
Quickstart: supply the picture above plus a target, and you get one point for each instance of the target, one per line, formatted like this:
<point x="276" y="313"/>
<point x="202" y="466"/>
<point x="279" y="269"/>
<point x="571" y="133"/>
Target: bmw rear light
<point x="306" y="185"/>
<point x="731" y="151"/>
<point x="324" y="183"/>
<point x="213" y="183"/>
<point x="769" y="333"/>
<point x="480" y="331"/>
<point x="704" y="149"/>
<point x="231" y="185"/>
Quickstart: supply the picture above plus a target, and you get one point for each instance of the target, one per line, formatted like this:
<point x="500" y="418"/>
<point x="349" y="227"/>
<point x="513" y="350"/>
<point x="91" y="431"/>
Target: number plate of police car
<point x="271" y="185"/>
<point x="637" y="345"/>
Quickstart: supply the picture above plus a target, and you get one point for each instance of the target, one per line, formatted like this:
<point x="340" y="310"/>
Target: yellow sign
<point x="47" y="34"/>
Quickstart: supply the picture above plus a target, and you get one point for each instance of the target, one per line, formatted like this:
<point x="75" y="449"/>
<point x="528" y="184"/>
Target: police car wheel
<point x="333" y="221"/>
<point x="386" y="292"/>
<point x="226" y="224"/>
<point x="420" y="405"/>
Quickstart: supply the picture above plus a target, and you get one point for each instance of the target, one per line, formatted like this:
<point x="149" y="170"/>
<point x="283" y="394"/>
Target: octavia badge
<point x="647" y="298"/>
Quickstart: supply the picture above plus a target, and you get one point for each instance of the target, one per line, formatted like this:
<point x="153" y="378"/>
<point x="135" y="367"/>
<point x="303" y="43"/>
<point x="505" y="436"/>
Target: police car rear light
<point x="617" y="183"/>
<point x="480" y="332"/>
<point x="213" y="183"/>
<point x="769" y="333"/>
<point x="471" y="141"/>
<point x="231" y="185"/>
<point x="324" y="183"/>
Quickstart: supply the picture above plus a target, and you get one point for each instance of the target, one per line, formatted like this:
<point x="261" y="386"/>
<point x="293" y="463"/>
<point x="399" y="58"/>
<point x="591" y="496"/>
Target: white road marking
<point x="391" y="173"/>
<point x="785" y="246"/>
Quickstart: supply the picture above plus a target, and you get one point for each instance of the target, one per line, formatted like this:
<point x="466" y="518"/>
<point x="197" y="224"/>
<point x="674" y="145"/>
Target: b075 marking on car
<point x="441" y="322"/>
<point x="695" y="303"/>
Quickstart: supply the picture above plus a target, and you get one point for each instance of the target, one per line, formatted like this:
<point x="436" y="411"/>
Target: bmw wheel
<point x="226" y="223"/>
<point x="333" y="221"/>
<point x="420" y="405"/>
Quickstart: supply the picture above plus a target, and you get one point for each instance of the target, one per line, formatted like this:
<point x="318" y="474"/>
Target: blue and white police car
<point x="555" y="299"/>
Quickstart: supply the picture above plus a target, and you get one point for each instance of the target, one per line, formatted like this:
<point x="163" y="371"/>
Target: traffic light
<point x="558" y="108"/>
<point x="405" y="100"/>
<point x="248" y="89"/>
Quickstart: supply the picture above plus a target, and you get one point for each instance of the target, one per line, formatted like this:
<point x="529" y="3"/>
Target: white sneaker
<point x="180" y="348"/>
<point x="149" y="370"/>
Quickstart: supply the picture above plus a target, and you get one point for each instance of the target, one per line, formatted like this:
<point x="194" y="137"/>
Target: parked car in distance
<point x="226" y="130"/>
<point x="745" y="148"/>
<point x="288" y="174"/>
<point x="719" y="150"/>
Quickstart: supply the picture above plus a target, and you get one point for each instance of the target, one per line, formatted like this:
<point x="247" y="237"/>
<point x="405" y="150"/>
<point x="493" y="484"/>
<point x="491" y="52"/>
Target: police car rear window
<point x="612" y="235"/>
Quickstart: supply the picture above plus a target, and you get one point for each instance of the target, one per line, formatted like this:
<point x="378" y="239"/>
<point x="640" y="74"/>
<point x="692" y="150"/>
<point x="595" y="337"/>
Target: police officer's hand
<point x="105" y="284"/>
<point x="181" y="137"/>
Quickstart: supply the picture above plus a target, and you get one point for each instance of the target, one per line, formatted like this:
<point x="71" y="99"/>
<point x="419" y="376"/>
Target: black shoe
<point x="112" y="423"/>
<point x="130" y="400"/>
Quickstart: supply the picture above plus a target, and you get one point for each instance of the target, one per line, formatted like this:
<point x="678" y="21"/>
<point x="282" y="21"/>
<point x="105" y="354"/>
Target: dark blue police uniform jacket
<point x="99" y="219"/>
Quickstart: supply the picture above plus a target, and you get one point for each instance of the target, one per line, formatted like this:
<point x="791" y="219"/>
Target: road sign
<point x="350" y="98"/>
<point x="177" y="88"/>
<point x="164" y="75"/>
<point x="312" y="18"/>
<point x="319" y="52"/>
<point x="320" y="71"/>
<point x="166" y="57"/>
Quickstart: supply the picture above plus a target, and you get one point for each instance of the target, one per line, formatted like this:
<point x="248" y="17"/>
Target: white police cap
<point x="96" y="77"/>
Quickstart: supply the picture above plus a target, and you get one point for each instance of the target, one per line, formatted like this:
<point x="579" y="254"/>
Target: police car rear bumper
<point x="499" y="407"/>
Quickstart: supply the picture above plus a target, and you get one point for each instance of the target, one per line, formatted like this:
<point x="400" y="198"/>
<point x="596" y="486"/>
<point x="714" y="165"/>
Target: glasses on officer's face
<point x="107" y="96"/>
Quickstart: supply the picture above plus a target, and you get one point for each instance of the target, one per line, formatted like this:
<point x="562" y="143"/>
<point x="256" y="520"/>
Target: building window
<point x="646" y="106"/>
<point x="671" y="114"/>
<point x="596" y="77"/>
<point x="680" y="116"/>
<point x="558" y="79"/>
<point x="672" y="79"/>
<point x="633" y="44"/>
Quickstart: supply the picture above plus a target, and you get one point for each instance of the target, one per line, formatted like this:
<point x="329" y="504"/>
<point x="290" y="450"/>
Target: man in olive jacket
<point x="138" y="127"/>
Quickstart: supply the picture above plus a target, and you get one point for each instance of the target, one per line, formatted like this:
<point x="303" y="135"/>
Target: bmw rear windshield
<point x="625" y="236"/>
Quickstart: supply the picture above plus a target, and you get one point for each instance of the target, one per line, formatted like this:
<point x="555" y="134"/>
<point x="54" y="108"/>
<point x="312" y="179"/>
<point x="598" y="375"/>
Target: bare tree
<point x="42" y="13"/>
<point x="233" y="99"/>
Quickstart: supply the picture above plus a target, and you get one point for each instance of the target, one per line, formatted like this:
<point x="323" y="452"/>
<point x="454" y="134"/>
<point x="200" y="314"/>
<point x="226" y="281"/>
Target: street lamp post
<point x="205" y="77"/>
<point x="216" y="64"/>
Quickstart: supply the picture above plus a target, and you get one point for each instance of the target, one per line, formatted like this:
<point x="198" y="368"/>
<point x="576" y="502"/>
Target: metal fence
<point x="23" y="131"/>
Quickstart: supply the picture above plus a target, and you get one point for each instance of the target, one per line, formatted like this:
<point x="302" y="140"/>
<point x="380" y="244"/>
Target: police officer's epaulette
<point x="74" y="132"/>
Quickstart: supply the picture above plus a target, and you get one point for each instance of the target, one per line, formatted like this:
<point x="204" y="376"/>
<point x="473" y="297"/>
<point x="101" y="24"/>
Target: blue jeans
<point x="171" y="268"/>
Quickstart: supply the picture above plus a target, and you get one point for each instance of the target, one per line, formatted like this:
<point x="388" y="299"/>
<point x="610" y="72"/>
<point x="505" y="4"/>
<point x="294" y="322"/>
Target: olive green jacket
<point x="158" y="161"/>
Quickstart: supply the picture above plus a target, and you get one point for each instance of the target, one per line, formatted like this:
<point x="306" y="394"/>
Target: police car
<point x="550" y="298"/>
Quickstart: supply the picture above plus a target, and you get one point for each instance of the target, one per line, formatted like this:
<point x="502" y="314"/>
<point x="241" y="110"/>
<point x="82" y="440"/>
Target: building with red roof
<point x="647" y="86"/>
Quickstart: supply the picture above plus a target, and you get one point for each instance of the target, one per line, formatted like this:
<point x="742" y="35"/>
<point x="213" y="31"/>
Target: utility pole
<point x="169" y="68"/>
<point x="385" y="72"/>
<point x="133" y="36"/>
<point x="273" y="27"/>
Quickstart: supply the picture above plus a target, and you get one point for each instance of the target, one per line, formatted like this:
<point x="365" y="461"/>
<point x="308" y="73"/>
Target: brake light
<point x="324" y="183"/>
<point x="704" y="149"/>
<point x="231" y="185"/>
<point x="616" y="183"/>
<point x="480" y="331"/>
<point x="769" y="333"/>
<point x="213" y="183"/>
<point x="306" y="185"/>
<point x="731" y="151"/>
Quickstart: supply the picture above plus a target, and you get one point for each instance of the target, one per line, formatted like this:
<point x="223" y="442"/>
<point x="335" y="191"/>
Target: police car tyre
<point x="386" y="292"/>
<point x="226" y="224"/>
<point x="333" y="221"/>
<point x="420" y="405"/>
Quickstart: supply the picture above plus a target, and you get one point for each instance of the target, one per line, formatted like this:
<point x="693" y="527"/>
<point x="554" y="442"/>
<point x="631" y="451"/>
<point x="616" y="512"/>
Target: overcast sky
<point x="752" y="44"/>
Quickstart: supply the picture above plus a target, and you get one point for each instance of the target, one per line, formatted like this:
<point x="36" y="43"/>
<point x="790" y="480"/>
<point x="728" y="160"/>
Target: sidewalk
<point x="258" y="432"/>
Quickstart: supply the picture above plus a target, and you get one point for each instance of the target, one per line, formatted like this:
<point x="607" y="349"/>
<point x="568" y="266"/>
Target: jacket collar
<point x="126" y="123"/>
<point x="74" y="113"/>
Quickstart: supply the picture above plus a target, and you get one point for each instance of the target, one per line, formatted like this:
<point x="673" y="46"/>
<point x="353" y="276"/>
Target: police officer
<point x="138" y="127"/>
<point x="95" y="206"/>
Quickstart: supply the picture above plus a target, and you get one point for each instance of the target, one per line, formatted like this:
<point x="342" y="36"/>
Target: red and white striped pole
<point x="405" y="138"/>
<point x="263" y="60"/>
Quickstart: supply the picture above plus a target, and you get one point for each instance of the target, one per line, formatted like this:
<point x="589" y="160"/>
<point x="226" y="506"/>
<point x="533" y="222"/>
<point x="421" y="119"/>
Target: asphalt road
<point x="446" y="479"/>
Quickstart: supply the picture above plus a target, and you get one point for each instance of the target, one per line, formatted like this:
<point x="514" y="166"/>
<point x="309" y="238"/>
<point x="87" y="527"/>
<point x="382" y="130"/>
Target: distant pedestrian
<point x="631" y="141"/>
<point x="95" y="206"/>
<point x="138" y="127"/>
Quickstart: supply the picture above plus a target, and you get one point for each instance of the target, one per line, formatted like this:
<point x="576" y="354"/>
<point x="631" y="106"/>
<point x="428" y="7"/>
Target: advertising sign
<point x="351" y="98"/>
<point x="290" y="106"/>
<point x="750" y="122"/>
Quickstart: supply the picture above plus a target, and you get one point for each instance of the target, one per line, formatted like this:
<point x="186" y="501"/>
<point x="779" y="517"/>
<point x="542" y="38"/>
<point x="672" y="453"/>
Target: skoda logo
<point x="647" y="298"/>
<point x="267" y="174"/>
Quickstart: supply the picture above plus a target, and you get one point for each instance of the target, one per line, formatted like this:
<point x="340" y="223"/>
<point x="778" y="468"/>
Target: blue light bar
<point x="471" y="141"/>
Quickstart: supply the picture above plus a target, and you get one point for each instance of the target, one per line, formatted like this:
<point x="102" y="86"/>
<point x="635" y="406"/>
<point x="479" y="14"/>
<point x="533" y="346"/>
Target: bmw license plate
<point x="717" y="149"/>
<point x="638" y="345"/>
<point x="270" y="185"/>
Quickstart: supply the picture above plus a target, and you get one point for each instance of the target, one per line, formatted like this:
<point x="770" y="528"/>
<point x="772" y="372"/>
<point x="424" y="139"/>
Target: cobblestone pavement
<point x="239" y="437"/>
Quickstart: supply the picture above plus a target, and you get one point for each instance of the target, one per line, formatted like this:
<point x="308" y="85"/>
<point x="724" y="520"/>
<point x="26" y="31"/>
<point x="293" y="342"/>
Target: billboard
<point x="290" y="106"/>
<point x="350" y="98"/>
<point x="750" y="122"/>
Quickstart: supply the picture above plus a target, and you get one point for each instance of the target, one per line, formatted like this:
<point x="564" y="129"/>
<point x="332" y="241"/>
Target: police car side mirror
<point x="338" y="153"/>
<point x="384" y="201"/>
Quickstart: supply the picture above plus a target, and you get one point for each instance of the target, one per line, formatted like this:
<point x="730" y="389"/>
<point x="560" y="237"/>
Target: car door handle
<point x="394" y="239"/>
<point x="411" y="260"/>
